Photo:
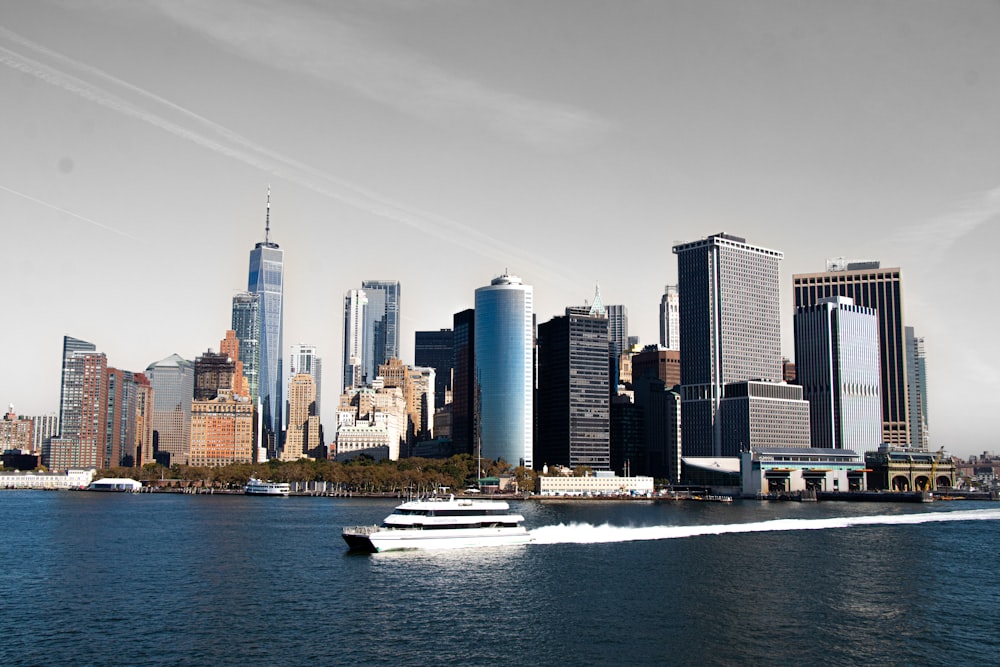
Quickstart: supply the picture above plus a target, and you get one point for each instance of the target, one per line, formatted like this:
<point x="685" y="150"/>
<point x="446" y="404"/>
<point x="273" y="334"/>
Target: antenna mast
<point x="267" y="219"/>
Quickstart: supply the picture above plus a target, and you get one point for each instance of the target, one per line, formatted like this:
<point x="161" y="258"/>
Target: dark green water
<point x="229" y="580"/>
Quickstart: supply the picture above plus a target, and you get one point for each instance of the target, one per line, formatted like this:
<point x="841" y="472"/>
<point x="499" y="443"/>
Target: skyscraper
<point x="266" y="279"/>
<point x="246" y="324"/>
<point x="223" y="424"/>
<point x="305" y="359"/>
<point x="435" y="349"/>
<point x="381" y="324"/>
<point x="916" y="380"/>
<point x="670" y="319"/>
<point x="120" y="412"/>
<point x="617" y="328"/>
<point x="574" y="380"/>
<point x="303" y="423"/>
<point x="172" y="380"/>
<point x="82" y="409"/>
<point x="872" y="287"/>
<point x="504" y="352"/>
<point x="730" y="319"/>
<point x="837" y="363"/>
<point x="355" y="307"/>
<point x="463" y="389"/>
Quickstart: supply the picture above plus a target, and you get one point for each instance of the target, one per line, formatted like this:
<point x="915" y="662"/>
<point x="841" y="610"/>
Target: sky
<point x="442" y="142"/>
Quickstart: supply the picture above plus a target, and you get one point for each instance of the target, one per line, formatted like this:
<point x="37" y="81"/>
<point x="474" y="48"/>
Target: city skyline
<point x="819" y="129"/>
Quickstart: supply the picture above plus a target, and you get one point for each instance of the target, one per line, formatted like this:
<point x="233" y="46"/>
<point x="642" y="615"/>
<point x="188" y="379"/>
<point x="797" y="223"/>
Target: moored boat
<point x="256" y="487"/>
<point x="441" y="523"/>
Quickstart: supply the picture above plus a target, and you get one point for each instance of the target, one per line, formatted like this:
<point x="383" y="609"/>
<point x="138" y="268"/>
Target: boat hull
<point x="381" y="540"/>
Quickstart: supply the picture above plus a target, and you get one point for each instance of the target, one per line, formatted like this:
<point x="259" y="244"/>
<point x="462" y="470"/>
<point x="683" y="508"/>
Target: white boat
<point x="441" y="523"/>
<point x="255" y="487"/>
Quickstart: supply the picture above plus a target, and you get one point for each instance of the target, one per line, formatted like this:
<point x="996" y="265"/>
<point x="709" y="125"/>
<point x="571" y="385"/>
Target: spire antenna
<point x="267" y="219"/>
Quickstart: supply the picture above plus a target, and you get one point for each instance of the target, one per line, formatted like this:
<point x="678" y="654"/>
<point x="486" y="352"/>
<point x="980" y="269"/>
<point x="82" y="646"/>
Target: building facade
<point x="872" y="287"/>
<point x="617" y="328"/>
<point x="223" y="430"/>
<point x="574" y="391"/>
<point x="15" y="432"/>
<point x="371" y="421"/>
<point x="44" y="427"/>
<point x="781" y="470"/>
<point x="916" y="381"/>
<point x="82" y="409"/>
<point x="305" y="359"/>
<point x="463" y="390"/>
<point x="172" y="380"/>
<point x="381" y="323"/>
<point x="266" y="280"/>
<point x="436" y="350"/>
<point x="504" y="369"/>
<point x="303" y="436"/>
<point x="246" y="326"/>
<point x="660" y="363"/>
<point x="730" y="330"/>
<point x="837" y="355"/>
<point x="670" y="319"/>
<point x="755" y="414"/>
<point x="355" y="308"/>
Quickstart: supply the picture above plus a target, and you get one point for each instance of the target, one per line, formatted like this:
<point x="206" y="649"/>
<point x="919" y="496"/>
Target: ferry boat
<point x="255" y="487"/>
<point x="441" y="523"/>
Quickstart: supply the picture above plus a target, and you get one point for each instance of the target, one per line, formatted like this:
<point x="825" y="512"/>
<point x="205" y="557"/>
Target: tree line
<point x="361" y="475"/>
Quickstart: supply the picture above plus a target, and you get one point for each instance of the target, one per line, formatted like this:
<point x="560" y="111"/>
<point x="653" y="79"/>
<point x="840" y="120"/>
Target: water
<point x="93" y="579"/>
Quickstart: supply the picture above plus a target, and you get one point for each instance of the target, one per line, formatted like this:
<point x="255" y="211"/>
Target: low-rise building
<point x="70" y="479"/>
<point x="594" y="485"/>
<point x="779" y="470"/>
<point x="905" y="469"/>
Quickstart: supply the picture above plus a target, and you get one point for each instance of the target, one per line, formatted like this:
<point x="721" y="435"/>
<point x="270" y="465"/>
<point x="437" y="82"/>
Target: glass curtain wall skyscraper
<point x="381" y="324"/>
<point x="246" y="324"/>
<point x="463" y="390"/>
<point x="172" y="380"/>
<point x="435" y="349"/>
<point x="266" y="280"/>
<point x="504" y="349"/>
<point x="837" y="361"/>
<point x="872" y="287"/>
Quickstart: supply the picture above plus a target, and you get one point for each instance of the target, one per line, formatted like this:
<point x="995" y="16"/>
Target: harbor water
<point x="148" y="579"/>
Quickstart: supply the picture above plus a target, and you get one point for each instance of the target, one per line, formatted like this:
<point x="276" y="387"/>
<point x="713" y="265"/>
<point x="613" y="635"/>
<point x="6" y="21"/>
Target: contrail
<point x="585" y="533"/>
<point x="70" y="213"/>
<point x="235" y="146"/>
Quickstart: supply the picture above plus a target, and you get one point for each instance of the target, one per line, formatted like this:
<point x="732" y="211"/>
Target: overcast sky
<point x="439" y="142"/>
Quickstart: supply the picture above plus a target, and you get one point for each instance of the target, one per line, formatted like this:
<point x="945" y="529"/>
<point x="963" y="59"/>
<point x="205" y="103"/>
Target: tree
<point x="525" y="478"/>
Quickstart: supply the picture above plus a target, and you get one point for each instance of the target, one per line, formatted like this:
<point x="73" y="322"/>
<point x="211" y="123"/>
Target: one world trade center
<point x="266" y="280"/>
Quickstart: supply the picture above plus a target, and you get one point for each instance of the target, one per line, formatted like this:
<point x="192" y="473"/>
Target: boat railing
<point x="360" y="530"/>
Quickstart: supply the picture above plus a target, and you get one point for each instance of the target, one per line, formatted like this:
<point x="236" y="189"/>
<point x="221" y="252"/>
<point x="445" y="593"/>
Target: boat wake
<point x="585" y="533"/>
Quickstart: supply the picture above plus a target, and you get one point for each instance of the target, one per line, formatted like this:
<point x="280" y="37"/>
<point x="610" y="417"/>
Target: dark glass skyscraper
<point x="573" y="391"/>
<point x="435" y="349"/>
<point x="266" y="279"/>
<point x="463" y="390"/>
